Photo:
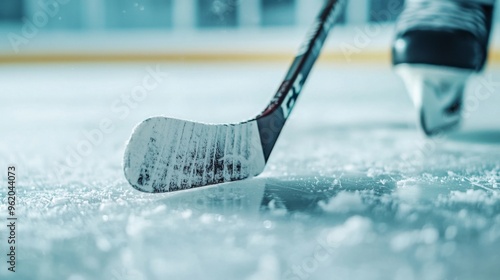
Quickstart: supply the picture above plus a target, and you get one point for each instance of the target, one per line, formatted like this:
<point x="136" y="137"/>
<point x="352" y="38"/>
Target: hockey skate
<point x="438" y="45"/>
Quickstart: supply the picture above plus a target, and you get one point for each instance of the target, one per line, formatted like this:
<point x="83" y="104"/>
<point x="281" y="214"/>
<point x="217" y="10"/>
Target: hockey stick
<point x="165" y="154"/>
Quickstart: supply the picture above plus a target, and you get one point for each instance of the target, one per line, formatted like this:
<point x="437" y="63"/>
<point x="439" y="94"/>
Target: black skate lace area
<point x="438" y="15"/>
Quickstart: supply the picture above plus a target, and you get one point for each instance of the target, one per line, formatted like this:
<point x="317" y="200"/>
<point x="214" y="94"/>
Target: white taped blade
<point x="437" y="92"/>
<point x="165" y="154"/>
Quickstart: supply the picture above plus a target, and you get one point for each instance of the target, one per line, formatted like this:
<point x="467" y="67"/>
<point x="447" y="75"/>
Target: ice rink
<point x="352" y="189"/>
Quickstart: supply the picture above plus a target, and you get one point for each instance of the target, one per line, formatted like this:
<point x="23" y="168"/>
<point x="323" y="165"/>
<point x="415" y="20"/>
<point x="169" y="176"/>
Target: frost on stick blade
<point x="166" y="154"/>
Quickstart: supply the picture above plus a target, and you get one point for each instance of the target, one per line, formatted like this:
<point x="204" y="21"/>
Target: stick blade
<point x="165" y="154"/>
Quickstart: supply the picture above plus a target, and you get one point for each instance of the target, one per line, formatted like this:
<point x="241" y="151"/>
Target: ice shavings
<point x="407" y="239"/>
<point x="474" y="197"/>
<point x="344" y="202"/>
<point x="354" y="231"/>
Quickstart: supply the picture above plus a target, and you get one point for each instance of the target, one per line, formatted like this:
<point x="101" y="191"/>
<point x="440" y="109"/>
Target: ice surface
<point x="352" y="190"/>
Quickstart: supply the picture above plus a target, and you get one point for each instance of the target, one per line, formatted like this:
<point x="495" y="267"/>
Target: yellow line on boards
<point x="192" y="57"/>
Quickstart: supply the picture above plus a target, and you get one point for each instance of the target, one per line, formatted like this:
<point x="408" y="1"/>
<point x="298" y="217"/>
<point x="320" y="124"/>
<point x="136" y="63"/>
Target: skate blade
<point x="437" y="93"/>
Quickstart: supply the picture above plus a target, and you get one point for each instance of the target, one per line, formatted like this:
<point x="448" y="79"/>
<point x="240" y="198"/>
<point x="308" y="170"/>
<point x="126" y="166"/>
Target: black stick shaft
<point x="273" y="118"/>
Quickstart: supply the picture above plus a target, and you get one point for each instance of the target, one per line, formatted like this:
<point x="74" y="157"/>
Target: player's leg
<point x="437" y="46"/>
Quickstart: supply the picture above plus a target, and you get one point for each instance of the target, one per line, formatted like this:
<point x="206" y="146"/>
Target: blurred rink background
<point x="352" y="190"/>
